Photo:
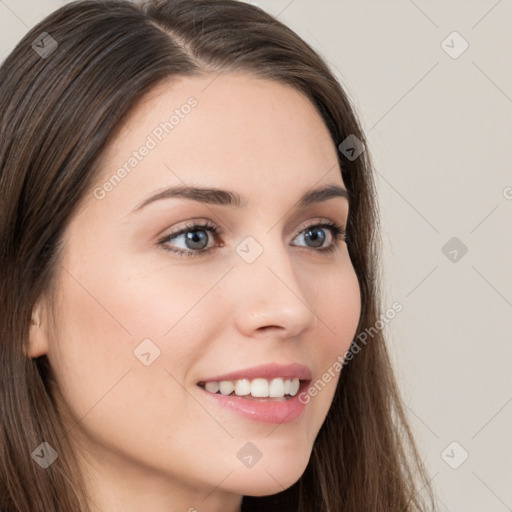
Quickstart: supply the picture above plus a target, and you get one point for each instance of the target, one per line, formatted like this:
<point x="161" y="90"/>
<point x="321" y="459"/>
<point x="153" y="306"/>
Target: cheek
<point x="337" y="302"/>
<point x="108" y="393"/>
<point x="126" y="336"/>
<point x="345" y="316"/>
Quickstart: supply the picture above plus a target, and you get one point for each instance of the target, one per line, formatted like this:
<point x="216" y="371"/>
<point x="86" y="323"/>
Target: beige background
<point x="439" y="131"/>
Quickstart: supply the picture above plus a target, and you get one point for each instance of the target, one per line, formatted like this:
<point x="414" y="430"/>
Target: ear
<point x="38" y="335"/>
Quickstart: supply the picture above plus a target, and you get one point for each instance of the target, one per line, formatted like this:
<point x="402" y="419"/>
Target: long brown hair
<point x="58" y="110"/>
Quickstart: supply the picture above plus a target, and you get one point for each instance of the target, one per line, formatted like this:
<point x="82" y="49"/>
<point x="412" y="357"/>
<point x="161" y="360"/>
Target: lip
<point x="274" y="412"/>
<point x="265" y="371"/>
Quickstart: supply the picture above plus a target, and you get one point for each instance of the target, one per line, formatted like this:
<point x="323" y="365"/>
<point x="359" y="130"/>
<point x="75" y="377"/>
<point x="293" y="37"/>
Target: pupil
<point x="195" y="238"/>
<point x="317" y="236"/>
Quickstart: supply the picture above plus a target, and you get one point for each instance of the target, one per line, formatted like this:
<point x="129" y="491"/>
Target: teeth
<point x="276" y="387"/>
<point x="212" y="387"/>
<point x="226" y="387"/>
<point x="258" y="388"/>
<point x="294" y="387"/>
<point x="242" y="387"/>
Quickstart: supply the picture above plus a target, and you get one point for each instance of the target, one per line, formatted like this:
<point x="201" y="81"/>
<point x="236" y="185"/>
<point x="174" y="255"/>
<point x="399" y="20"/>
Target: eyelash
<point x="338" y="233"/>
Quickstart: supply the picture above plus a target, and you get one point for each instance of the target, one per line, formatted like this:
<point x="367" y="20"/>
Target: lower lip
<point x="265" y="412"/>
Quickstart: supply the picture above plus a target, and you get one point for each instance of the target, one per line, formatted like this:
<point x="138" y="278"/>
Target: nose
<point x="269" y="300"/>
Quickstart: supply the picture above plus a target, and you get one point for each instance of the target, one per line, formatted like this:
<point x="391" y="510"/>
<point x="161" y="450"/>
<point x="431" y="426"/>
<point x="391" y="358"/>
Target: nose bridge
<point x="271" y="293"/>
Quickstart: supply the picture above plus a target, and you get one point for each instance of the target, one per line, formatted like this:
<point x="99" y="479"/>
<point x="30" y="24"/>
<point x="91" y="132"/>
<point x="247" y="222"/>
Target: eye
<point x="194" y="238"/>
<point x="315" y="235"/>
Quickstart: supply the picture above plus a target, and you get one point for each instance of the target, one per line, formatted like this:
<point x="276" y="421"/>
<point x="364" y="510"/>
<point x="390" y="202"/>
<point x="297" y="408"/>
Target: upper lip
<point x="266" y="371"/>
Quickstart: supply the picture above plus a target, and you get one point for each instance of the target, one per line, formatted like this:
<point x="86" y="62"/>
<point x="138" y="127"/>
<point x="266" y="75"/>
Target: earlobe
<point x="38" y="339"/>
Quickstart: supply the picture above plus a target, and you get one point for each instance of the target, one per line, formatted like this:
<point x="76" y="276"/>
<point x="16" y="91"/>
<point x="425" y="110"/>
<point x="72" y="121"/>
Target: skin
<point x="146" y="437"/>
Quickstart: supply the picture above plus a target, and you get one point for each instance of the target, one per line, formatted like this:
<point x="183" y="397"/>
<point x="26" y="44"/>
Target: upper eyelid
<point x="207" y="224"/>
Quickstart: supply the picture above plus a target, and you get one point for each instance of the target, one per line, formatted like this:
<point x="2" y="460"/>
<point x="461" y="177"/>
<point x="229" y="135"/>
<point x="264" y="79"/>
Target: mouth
<point x="267" y="393"/>
<point x="259" y="389"/>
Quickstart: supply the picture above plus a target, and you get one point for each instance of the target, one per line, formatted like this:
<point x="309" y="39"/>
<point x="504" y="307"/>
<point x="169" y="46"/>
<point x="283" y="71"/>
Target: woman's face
<point x="139" y="326"/>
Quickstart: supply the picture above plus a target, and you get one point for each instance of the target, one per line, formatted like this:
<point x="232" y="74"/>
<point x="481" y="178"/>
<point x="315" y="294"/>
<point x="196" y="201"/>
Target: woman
<point x="189" y="255"/>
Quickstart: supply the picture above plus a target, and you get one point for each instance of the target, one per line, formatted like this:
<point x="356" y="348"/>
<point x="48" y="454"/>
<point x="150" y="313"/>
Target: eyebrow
<point x="220" y="197"/>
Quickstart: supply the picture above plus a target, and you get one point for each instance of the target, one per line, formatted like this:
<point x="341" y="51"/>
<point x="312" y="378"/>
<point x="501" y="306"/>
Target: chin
<point x="268" y="485"/>
<point x="270" y="478"/>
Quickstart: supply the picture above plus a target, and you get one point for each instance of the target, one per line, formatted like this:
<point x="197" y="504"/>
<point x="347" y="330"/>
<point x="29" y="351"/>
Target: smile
<point x="256" y="388"/>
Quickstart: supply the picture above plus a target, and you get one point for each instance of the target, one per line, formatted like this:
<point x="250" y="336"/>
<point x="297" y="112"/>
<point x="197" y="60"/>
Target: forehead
<point x="232" y="131"/>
